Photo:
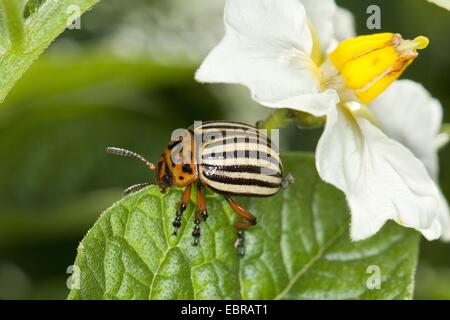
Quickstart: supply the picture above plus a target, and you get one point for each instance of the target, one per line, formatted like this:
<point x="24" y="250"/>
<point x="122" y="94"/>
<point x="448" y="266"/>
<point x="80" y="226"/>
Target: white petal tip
<point x="432" y="237"/>
<point x="200" y="76"/>
<point x="434" y="232"/>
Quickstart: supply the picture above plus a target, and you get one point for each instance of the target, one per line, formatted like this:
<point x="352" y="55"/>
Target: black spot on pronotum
<point x="181" y="177"/>
<point x="186" y="169"/>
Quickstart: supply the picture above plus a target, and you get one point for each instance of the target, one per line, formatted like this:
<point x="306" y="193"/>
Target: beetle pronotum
<point x="227" y="157"/>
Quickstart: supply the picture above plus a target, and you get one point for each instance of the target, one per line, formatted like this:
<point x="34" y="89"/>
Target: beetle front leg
<point x="181" y="208"/>
<point x="250" y="220"/>
<point x="201" y="213"/>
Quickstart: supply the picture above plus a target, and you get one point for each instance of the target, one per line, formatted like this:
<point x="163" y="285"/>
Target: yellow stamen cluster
<point x="369" y="64"/>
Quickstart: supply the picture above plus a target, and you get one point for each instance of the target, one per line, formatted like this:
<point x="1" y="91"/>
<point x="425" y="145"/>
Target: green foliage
<point x="22" y="39"/>
<point x="13" y="17"/>
<point x="54" y="183"/>
<point x="32" y="6"/>
<point x="300" y="249"/>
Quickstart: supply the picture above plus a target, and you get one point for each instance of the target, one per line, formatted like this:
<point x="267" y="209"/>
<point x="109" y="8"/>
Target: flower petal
<point x="267" y="48"/>
<point x="418" y="131"/>
<point x="331" y="23"/>
<point x="431" y="233"/>
<point x="444" y="218"/>
<point x="408" y="114"/>
<point x="381" y="178"/>
<point x="321" y="14"/>
<point x="344" y="24"/>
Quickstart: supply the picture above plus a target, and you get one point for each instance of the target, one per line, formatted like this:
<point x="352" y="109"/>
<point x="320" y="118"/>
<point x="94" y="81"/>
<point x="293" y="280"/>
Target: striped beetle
<point x="229" y="158"/>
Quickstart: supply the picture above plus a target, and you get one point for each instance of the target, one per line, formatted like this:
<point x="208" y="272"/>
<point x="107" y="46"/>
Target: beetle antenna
<point x="130" y="154"/>
<point x="287" y="180"/>
<point x="135" y="188"/>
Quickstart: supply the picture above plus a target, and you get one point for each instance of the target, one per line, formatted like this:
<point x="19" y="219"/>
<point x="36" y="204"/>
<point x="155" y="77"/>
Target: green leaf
<point x="29" y="38"/>
<point x="54" y="184"/>
<point x="32" y="6"/>
<point x="13" y="21"/>
<point x="300" y="249"/>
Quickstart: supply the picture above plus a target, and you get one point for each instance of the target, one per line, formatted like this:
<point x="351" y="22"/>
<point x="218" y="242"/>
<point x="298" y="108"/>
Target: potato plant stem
<point x="279" y="118"/>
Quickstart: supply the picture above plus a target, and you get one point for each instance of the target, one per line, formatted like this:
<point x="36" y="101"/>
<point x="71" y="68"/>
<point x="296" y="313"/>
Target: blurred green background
<point x="126" y="79"/>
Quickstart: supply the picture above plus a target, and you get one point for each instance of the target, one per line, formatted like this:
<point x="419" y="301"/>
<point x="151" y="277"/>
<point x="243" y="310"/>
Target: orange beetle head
<point x="164" y="177"/>
<point x="175" y="165"/>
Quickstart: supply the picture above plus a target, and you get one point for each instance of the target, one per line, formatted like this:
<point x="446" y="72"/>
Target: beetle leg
<point x="181" y="208"/>
<point x="201" y="213"/>
<point x="250" y="220"/>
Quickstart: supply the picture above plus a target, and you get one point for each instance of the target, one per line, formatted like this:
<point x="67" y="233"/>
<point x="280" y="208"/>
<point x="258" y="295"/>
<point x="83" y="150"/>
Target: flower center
<point x="369" y="64"/>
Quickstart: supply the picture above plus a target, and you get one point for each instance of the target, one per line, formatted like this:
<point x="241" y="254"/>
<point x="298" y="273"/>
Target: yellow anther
<point x="419" y="43"/>
<point x="422" y="42"/>
<point x="369" y="64"/>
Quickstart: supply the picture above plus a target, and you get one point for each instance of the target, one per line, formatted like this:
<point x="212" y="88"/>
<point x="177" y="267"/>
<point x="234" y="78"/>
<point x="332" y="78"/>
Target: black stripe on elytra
<point x="242" y="168"/>
<point x="241" y="181"/>
<point x="240" y="154"/>
<point x="217" y="133"/>
<point x="247" y="140"/>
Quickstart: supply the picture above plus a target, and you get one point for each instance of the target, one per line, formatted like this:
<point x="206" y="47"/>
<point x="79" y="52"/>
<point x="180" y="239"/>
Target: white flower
<point x="280" y="54"/>
<point x="419" y="131"/>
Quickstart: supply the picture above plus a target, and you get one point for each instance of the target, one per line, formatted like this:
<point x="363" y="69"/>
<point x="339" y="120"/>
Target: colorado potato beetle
<point x="229" y="158"/>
